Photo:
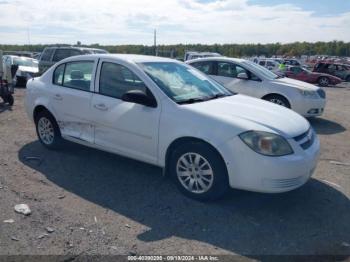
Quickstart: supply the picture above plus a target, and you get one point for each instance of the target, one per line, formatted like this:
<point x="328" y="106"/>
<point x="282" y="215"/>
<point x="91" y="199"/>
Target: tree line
<point x="334" y="48"/>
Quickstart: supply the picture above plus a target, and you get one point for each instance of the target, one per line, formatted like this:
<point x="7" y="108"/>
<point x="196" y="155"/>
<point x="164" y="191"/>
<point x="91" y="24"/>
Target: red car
<point x="305" y="75"/>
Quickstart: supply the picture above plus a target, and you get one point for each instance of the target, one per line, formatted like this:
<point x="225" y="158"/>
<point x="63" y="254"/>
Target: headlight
<point x="309" y="94"/>
<point x="265" y="143"/>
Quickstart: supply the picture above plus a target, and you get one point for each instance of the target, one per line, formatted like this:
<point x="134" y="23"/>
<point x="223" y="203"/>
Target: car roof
<point x="125" y="57"/>
<point x="217" y="58"/>
<point x="17" y="56"/>
<point x="73" y="47"/>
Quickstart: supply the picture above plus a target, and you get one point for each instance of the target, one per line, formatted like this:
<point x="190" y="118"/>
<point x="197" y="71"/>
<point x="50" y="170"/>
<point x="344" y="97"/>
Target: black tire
<point x="57" y="140"/>
<point x="323" y="81"/>
<point x="347" y="79"/>
<point x="220" y="182"/>
<point x="278" y="99"/>
<point x="21" y="82"/>
<point x="10" y="100"/>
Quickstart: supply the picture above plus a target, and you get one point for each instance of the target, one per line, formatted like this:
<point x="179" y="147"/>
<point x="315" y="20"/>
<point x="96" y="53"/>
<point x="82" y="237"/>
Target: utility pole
<point x="1" y="66"/>
<point x="155" y="43"/>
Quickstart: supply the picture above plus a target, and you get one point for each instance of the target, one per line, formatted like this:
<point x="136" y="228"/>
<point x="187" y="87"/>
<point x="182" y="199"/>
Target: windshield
<point x="182" y="83"/>
<point x="261" y="71"/>
<point x="25" y="62"/>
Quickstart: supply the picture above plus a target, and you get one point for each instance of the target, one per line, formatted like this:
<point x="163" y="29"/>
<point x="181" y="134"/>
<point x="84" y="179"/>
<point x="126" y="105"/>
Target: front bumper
<point x="251" y="171"/>
<point x="308" y="107"/>
<point x="335" y="81"/>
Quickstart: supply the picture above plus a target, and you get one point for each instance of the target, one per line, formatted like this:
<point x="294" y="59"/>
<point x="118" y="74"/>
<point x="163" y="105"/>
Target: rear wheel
<point x="278" y="99"/>
<point x="48" y="131"/>
<point x="199" y="171"/>
<point x="347" y="79"/>
<point x="323" y="81"/>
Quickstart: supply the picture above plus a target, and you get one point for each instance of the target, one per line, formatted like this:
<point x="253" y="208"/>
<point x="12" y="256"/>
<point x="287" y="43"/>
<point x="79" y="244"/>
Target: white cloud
<point x="177" y="21"/>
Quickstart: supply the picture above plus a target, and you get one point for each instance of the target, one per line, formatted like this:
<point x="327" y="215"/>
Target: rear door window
<point x="77" y="75"/>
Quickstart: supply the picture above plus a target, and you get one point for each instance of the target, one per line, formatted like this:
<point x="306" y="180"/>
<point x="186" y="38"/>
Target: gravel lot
<point x="99" y="203"/>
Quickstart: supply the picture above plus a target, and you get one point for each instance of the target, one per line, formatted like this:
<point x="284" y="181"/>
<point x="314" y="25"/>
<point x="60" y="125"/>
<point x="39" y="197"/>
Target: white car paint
<point x="146" y="133"/>
<point x="286" y="87"/>
<point x="27" y="67"/>
<point x="269" y="63"/>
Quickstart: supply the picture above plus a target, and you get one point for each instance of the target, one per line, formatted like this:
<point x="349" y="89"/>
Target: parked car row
<point x="341" y="71"/>
<point x="168" y="113"/>
<point x="305" y="75"/>
<point x="322" y="73"/>
<point x="246" y="77"/>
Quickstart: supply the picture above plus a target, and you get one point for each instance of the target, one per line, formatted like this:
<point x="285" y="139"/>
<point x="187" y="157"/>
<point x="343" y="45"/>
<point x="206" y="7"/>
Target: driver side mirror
<point x="139" y="97"/>
<point x="243" y="76"/>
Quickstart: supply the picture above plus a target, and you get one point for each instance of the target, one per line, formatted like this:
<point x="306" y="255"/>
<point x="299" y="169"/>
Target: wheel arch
<point x="40" y="108"/>
<point x="185" y="140"/>
<point x="265" y="97"/>
<point x="323" y="76"/>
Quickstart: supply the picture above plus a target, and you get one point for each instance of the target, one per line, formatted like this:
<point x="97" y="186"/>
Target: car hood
<point x="285" y="81"/>
<point x="249" y="113"/>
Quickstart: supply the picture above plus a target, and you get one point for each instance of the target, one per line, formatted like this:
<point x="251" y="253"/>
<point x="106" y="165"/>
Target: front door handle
<point x="101" y="107"/>
<point x="58" y="97"/>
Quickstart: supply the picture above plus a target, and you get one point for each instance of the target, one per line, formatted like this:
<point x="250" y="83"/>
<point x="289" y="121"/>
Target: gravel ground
<point x="99" y="203"/>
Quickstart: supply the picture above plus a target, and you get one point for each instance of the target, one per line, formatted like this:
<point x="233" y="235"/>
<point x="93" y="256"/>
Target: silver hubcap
<point x="195" y="173"/>
<point x="45" y="130"/>
<point x="277" y="101"/>
<point x="324" y="81"/>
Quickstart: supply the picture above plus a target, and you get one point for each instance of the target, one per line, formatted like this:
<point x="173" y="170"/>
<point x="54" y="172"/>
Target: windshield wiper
<point x="192" y="101"/>
<point x="216" y="96"/>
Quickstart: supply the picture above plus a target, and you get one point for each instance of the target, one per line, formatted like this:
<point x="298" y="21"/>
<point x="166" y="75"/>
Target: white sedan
<point x="169" y="114"/>
<point x="246" y="77"/>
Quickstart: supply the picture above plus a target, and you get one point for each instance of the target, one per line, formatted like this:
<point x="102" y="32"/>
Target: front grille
<point x="306" y="139"/>
<point x="321" y="93"/>
<point x="302" y="136"/>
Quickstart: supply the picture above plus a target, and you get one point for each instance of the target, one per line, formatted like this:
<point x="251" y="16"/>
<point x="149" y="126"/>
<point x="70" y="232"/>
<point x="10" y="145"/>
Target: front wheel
<point x="279" y="100"/>
<point x="323" y="81"/>
<point x="48" y="131"/>
<point x="199" y="171"/>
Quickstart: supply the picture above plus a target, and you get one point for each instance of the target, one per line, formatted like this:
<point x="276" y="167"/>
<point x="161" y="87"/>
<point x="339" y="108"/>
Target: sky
<point x="177" y="21"/>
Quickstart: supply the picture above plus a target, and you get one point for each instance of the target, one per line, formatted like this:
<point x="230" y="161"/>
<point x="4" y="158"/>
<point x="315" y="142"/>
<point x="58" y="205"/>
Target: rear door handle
<point x="58" y="97"/>
<point x="101" y="107"/>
